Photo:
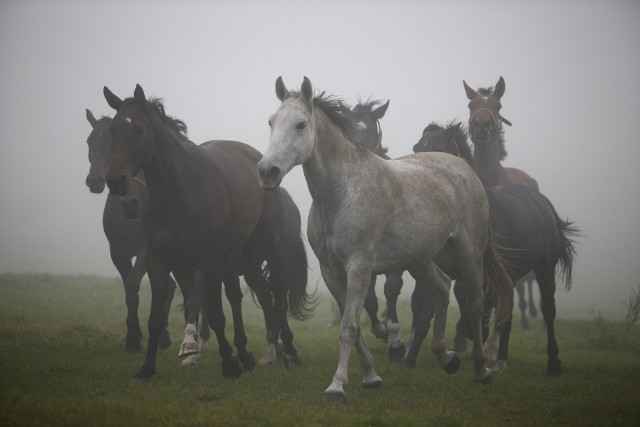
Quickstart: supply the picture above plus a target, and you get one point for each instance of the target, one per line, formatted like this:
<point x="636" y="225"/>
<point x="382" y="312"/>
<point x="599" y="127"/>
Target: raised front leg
<point x="351" y="302"/>
<point x="438" y="284"/>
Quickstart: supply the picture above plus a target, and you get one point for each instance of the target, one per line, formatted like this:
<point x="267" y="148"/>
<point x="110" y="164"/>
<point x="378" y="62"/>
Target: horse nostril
<point x="118" y="185"/>
<point x="95" y="183"/>
<point x="269" y="174"/>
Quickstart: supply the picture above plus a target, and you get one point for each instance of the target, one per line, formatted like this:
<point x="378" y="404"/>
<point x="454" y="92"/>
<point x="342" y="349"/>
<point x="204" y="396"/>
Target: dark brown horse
<point x="487" y="135"/>
<point x="530" y="236"/>
<point x="204" y="205"/>
<point x="125" y="237"/>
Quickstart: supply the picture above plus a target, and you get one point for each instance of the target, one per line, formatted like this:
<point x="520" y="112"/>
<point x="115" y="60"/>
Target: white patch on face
<point x="361" y="126"/>
<point x="484" y="98"/>
<point x="127" y="119"/>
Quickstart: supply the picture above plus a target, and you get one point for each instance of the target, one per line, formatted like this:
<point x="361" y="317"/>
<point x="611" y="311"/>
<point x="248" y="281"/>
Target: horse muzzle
<point x="95" y="183"/>
<point x="118" y="185"/>
<point x="269" y="174"/>
<point x="130" y="207"/>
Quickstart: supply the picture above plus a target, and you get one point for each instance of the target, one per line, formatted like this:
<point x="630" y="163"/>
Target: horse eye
<point x="301" y="126"/>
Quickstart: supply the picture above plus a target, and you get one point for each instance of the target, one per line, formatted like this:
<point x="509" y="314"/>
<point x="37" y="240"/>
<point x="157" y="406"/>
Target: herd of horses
<point x="207" y="214"/>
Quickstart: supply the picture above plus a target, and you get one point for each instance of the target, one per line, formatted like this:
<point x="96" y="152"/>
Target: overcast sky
<point x="572" y="72"/>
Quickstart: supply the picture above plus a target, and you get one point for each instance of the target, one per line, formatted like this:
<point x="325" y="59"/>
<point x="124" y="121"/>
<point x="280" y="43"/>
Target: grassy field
<point x="62" y="362"/>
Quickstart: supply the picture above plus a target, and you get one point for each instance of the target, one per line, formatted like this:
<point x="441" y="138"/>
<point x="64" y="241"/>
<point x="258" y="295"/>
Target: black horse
<point x="530" y="236"/>
<point x="125" y="237"/>
<point x="204" y="205"/>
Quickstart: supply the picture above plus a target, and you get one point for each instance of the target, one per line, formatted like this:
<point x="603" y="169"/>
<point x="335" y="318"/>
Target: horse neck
<point x="486" y="163"/>
<point x="333" y="162"/>
<point x="170" y="171"/>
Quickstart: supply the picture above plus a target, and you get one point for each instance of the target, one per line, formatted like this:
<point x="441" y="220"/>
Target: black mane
<point x="156" y="107"/>
<point x="461" y="137"/>
<point x="337" y="110"/>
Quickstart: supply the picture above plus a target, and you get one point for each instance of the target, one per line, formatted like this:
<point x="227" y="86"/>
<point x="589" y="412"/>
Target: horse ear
<point x="138" y="95"/>
<point x="307" y="91"/>
<point x="499" y="90"/>
<point x="378" y="113"/>
<point x="91" y="118"/>
<point x="113" y="101"/>
<point x="470" y="92"/>
<point x="281" y="90"/>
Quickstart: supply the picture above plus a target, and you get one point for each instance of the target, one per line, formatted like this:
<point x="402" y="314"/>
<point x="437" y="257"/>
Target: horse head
<point x="485" y="121"/>
<point x="367" y="116"/>
<point x="99" y="142"/>
<point x="132" y="139"/>
<point x="134" y="202"/>
<point x="292" y="137"/>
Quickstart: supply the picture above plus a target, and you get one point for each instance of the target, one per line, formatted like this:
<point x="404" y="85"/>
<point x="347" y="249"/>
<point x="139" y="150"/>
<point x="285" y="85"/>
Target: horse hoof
<point x="165" y="340"/>
<point x="232" y="368"/>
<point x="554" y="367"/>
<point x="459" y="346"/>
<point x="335" y="396"/>
<point x="410" y="363"/>
<point x="397" y="353"/>
<point x="372" y="386"/>
<point x="380" y="333"/>
<point x="453" y="365"/>
<point x="486" y="380"/>
<point x="500" y="366"/>
<point x="248" y="362"/>
<point x="292" y="361"/>
<point x="143" y="374"/>
<point x="190" y="360"/>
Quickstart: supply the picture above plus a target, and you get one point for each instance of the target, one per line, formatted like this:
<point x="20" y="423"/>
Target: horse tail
<point x="496" y="277"/>
<point x="568" y="232"/>
<point x="301" y="302"/>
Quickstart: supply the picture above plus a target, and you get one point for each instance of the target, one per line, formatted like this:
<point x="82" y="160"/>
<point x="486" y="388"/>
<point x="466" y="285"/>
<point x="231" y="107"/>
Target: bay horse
<point x="487" y="135"/>
<point x="529" y="235"/>
<point x="367" y="117"/>
<point x="134" y="204"/>
<point x="359" y="226"/>
<point x="204" y="205"/>
<point x="125" y="237"/>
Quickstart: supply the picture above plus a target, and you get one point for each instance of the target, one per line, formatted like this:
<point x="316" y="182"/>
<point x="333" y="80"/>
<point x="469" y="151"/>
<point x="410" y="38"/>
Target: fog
<point x="572" y="72"/>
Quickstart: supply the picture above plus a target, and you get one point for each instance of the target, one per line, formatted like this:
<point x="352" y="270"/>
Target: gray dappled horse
<point x="373" y="216"/>
<point x="367" y="117"/>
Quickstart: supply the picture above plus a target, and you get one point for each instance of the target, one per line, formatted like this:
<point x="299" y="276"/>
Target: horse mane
<point x="156" y="107"/>
<point x="486" y="91"/>
<point x="338" y="112"/>
<point x="461" y="137"/>
<point x="369" y="105"/>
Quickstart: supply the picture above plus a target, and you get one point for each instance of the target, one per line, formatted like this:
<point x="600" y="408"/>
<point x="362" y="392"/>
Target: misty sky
<point x="572" y="72"/>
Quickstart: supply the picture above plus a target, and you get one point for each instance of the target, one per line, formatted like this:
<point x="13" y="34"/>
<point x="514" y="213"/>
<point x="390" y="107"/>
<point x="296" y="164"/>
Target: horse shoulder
<point x="518" y="176"/>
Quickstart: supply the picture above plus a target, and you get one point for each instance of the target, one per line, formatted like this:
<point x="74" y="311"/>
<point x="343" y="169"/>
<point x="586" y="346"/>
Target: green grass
<point x="62" y="362"/>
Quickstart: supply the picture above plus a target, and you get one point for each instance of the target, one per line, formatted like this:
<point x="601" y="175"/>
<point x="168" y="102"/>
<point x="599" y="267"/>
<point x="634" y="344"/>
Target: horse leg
<point x="231" y="366"/>
<point x="545" y="275"/>
<point x="371" y="307"/>
<point x="429" y="275"/>
<point x="234" y="295"/>
<point x="165" y="337"/>
<point x="131" y="278"/>
<point x="522" y="302"/>
<point x="533" y="311"/>
<point x="351" y="301"/>
<point x="504" y="332"/>
<point x="463" y="329"/>
<point x="422" y="308"/>
<point x="193" y="295"/>
<point x="470" y="253"/>
<point x="392" y="288"/>
<point x="159" y="279"/>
